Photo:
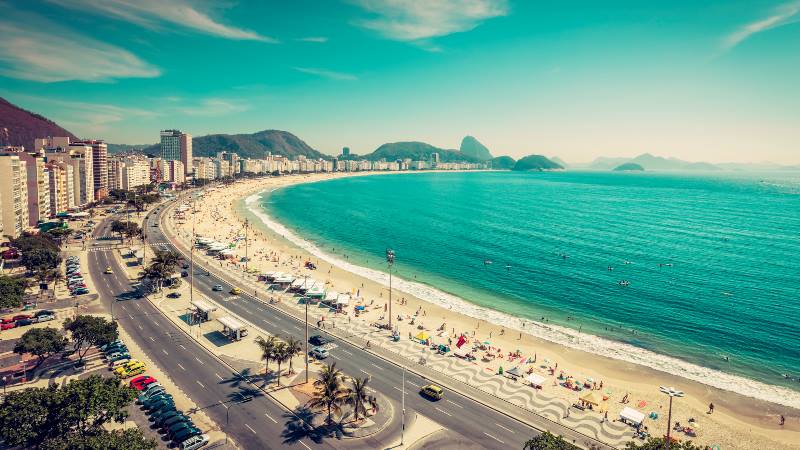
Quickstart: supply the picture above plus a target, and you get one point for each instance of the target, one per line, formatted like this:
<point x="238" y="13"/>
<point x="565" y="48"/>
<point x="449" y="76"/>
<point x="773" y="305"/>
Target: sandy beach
<point x="737" y="421"/>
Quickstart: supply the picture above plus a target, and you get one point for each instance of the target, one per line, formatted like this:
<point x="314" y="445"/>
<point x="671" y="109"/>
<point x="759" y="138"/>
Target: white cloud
<point x="327" y="73"/>
<point x="414" y="20"/>
<point x="213" y="107"/>
<point x="314" y="39"/>
<point x="150" y="13"/>
<point x="34" y="49"/>
<point x="784" y="15"/>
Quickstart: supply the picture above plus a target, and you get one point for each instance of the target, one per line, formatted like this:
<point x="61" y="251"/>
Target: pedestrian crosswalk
<point x="107" y="248"/>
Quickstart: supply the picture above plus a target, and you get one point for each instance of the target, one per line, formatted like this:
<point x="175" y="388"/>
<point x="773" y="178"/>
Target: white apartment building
<point x="13" y="195"/>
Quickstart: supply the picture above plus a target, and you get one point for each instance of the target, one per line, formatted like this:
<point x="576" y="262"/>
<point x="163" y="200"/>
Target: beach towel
<point x="642" y="404"/>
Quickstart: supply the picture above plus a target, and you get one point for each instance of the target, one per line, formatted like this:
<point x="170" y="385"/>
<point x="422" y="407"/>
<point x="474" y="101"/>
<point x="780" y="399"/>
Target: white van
<point x="194" y="442"/>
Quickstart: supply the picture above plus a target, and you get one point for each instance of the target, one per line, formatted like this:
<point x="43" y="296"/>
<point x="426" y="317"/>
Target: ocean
<point x="694" y="274"/>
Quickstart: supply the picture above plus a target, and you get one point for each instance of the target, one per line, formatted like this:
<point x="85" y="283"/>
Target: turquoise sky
<point x="715" y="81"/>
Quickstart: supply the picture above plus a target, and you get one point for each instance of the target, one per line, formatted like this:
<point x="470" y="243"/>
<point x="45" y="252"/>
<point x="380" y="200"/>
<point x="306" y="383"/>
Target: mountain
<point x="559" y="161"/>
<point x="628" y="167"/>
<point x="503" y="163"/>
<point x="651" y="162"/>
<point x="132" y="148"/>
<point x="606" y="163"/>
<point x="471" y="147"/>
<point x="536" y="162"/>
<point x="255" y="145"/>
<point x="21" y="127"/>
<point x="416" y="151"/>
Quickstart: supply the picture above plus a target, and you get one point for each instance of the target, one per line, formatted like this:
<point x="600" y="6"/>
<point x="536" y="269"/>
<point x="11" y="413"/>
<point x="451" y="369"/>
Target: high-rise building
<point x="79" y="156"/>
<point x="434" y="160"/>
<point x="115" y="166"/>
<point x="38" y="186"/>
<point x="62" y="196"/>
<point x="13" y="195"/>
<point x="135" y="172"/>
<point x="177" y="146"/>
<point x="346" y="151"/>
<point x="99" y="151"/>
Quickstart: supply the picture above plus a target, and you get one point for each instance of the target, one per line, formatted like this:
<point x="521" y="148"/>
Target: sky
<point x="701" y="81"/>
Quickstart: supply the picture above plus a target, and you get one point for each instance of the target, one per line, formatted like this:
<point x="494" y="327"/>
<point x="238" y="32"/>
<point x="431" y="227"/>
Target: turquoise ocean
<point x="709" y="262"/>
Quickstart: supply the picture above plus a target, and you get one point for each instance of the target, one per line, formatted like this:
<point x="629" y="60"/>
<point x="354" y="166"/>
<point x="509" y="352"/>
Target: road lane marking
<point x="498" y="440"/>
<point x="248" y="427"/>
<point x="376" y="366"/>
<point x="454" y="403"/>
<point x="198" y="360"/>
<point x="156" y="323"/>
<point x="504" y="428"/>
<point x="304" y="445"/>
<point x="140" y="327"/>
<point x="223" y="404"/>
<point x="284" y="330"/>
<point x="345" y="351"/>
<point x="182" y="368"/>
<point x="165" y="352"/>
<point x="297" y="327"/>
<point x="270" y="418"/>
<point x="395" y="387"/>
<point x="268" y="322"/>
<point x="201" y="384"/>
<point x="220" y="378"/>
<point x="365" y="371"/>
<point x="443" y="411"/>
<point x="181" y="345"/>
<point x="151" y="338"/>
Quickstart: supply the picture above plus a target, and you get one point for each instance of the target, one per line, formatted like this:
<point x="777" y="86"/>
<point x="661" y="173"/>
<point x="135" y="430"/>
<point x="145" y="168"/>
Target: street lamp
<point x="228" y="412"/>
<point x="389" y="264"/>
<point x="5" y="381"/>
<point x="671" y="392"/>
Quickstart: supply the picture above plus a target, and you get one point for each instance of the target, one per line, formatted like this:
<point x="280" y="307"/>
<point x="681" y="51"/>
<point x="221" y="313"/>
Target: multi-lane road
<point x="262" y="423"/>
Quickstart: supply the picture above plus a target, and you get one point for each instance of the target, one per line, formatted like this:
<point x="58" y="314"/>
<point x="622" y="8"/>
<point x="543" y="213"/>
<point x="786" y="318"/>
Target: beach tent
<point x="592" y="397"/>
<point x="535" y="380"/>
<point x="342" y="300"/>
<point x="632" y="416"/>
<point x="422" y="336"/>
<point x="513" y="373"/>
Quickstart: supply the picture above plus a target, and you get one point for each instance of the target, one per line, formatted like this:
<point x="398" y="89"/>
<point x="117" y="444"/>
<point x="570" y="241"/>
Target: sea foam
<point x="552" y="333"/>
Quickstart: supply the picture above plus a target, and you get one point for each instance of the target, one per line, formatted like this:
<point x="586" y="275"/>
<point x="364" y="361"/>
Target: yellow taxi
<point x="432" y="391"/>
<point x="108" y="270"/>
<point x="236" y="291"/>
<point x="129" y="367"/>
<point x="131" y="372"/>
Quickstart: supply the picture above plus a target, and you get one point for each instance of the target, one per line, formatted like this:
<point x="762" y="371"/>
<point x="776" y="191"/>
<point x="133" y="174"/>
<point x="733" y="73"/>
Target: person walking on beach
<point x="710" y="408"/>
<point x="783" y="420"/>
<point x="605" y="417"/>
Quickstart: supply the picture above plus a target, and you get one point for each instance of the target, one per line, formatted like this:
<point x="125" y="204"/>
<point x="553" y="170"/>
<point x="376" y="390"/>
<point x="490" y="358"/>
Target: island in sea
<point x="629" y="167"/>
<point x="536" y="163"/>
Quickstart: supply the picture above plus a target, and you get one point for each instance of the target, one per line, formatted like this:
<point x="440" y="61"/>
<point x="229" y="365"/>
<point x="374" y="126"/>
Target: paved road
<point x="474" y="421"/>
<point x="210" y="384"/>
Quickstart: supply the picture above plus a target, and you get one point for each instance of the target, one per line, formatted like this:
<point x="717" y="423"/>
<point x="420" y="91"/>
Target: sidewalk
<point x="512" y="399"/>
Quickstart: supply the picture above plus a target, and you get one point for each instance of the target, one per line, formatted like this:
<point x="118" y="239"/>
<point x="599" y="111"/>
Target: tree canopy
<point x="659" y="443"/>
<point x="42" y="343"/>
<point x="87" y="331"/>
<point x="41" y="259"/>
<point x="29" y="241"/>
<point x="70" y="416"/>
<point x="549" y="441"/>
<point x="12" y="291"/>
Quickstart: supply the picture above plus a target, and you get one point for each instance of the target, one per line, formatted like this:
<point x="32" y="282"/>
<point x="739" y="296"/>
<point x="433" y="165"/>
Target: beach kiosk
<point x="591" y="399"/>
<point x="201" y="311"/>
<point x="631" y="416"/>
<point x="232" y="328"/>
<point x="537" y="381"/>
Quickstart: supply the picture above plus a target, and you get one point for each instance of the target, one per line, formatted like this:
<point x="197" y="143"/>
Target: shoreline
<point x="618" y="367"/>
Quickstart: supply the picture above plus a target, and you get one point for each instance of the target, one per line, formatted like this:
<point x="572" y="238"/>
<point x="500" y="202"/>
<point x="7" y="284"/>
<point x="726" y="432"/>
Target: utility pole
<point x="305" y="281"/>
<point x="191" y="255"/>
<point x="390" y="263"/>
<point x="403" y="429"/>
<point x="246" y="258"/>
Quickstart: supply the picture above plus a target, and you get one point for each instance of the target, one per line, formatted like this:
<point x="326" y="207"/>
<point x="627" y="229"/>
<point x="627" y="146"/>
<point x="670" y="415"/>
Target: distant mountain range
<point x="416" y="151"/>
<point x="474" y="149"/>
<point x="628" y="167"/>
<point x="648" y="162"/>
<point x="20" y="127"/>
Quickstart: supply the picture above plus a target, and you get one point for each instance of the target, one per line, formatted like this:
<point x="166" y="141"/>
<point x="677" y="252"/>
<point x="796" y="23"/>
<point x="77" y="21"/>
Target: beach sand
<point x="737" y="422"/>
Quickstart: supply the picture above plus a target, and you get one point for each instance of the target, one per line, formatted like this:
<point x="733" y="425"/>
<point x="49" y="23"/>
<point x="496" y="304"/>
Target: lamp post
<point x="671" y="392"/>
<point x="228" y="412"/>
<point x="389" y="264"/>
<point x="305" y="302"/>
<point x="403" y="401"/>
<point x="5" y="381"/>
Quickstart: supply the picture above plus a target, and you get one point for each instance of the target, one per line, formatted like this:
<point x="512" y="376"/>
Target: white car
<point x="46" y="317"/>
<point x="319" y="353"/>
<point x="194" y="442"/>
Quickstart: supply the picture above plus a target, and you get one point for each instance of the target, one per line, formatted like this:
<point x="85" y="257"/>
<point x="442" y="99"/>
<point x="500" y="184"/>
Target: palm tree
<point x="359" y="398"/>
<point x="281" y="355"/>
<point x="330" y="393"/>
<point x="293" y="347"/>
<point x="58" y="277"/>
<point x="267" y="347"/>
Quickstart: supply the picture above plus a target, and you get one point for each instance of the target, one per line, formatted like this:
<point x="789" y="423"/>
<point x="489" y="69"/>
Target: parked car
<point x="169" y="418"/>
<point x="45" y="318"/>
<point x="140" y="383"/>
<point x="194" y="442"/>
<point x="185" y="434"/>
<point x="119" y="360"/>
<point x="7" y="325"/>
<point x="7" y="320"/>
<point x="24" y="322"/>
<point x="156" y="401"/>
<point x="19" y="317"/>
<point x="81" y="291"/>
<point x="174" y="295"/>
<point x="104" y="347"/>
<point x="217" y="287"/>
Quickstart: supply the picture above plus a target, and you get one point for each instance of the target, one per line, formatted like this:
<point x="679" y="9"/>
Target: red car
<point x="7" y="325"/>
<point x="22" y="317"/>
<point x="141" y="382"/>
<point x="6" y="320"/>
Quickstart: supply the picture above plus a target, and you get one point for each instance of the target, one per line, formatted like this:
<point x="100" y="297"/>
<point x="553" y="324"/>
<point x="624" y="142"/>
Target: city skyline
<point x="712" y="83"/>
